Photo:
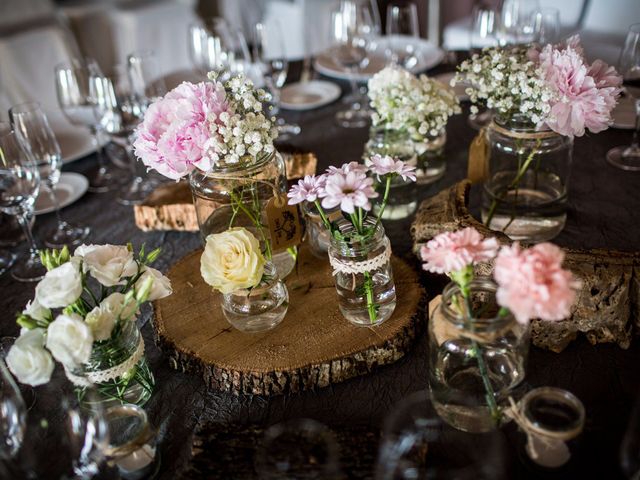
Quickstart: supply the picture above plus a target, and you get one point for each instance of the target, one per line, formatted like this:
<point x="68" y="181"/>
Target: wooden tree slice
<point x="313" y="347"/>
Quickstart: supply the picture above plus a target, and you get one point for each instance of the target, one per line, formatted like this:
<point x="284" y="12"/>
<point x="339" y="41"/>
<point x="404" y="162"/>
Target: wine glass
<point x="64" y="438"/>
<point x="516" y="25"/>
<point x="269" y="52"/>
<point x="418" y="444"/>
<point x="125" y="111"/>
<point x="353" y="26"/>
<point x="402" y="22"/>
<point x="32" y="129"/>
<point x="627" y="157"/>
<point x="74" y="96"/>
<point x="19" y="186"/>
<point x="546" y="25"/>
<point x="13" y="413"/>
<point x="484" y="23"/>
<point x="216" y="46"/>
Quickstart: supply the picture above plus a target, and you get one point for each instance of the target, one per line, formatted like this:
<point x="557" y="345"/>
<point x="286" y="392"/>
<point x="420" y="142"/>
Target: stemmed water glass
<point x="269" y="52"/>
<point x="402" y="22"/>
<point x="546" y="25"/>
<point x="74" y="96"/>
<point x="516" y="22"/>
<point x="19" y="186"/>
<point x="353" y="26"/>
<point x="13" y="413"/>
<point x="627" y="157"/>
<point x="216" y="46"/>
<point x="36" y="136"/>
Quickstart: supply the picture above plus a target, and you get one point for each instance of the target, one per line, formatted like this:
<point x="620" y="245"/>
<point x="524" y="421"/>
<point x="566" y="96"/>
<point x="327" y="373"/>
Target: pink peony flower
<point x="453" y="251"/>
<point x="348" y="167"/>
<point x="308" y="189"/>
<point x="581" y="101"/>
<point x="386" y="165"/>
<point x="349" y="190"/>
<point x="174" y="134"/>
<point x="532" y="283"/>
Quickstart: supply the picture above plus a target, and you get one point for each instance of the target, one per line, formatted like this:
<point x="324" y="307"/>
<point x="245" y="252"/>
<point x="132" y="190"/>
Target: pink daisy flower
<point x="453" y="251"/>
<point x="387" y="165"/>
<point x="308" y="189"/>
<point x="348" y="190"/>
<point x="533" y="284"/>
<point x="348" y="167"/>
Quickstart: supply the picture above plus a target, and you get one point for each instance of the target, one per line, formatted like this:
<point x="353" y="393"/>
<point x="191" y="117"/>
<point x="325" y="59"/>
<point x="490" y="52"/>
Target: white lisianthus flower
<point x="28" y="360"/>
<point x="161" y="286"/>
<point x="36" y="311"/>
<point x="232" y="260"/>
<point x="108" y="264"/>
<point x="103" y="318"/>
<point x="69" y="340"/>
<point x="60" y="287"/>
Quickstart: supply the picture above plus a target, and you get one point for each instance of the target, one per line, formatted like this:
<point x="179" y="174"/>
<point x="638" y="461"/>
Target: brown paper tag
<point x="284" y="222"/>
<point x="478" y="167"/>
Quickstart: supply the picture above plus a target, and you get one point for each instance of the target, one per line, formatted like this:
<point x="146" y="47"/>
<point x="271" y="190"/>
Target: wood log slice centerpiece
<point x="313" y="347"/>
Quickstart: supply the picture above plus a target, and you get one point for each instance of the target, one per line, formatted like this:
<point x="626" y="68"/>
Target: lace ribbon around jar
<point x="102" y="376"/>
<point x="353" y="268"/>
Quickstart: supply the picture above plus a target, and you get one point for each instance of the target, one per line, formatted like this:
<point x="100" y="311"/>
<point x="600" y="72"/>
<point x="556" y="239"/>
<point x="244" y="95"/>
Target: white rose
<point x="28" y="360"/>
<point x="69" y="340"/>
<point x="232" y="260"/>
<point x="36" y="311"/>
<point x="161" y="286"/>
<point x="103" y="318"/>
<point x="60" y="287"/>
<point x="107" y="263"/>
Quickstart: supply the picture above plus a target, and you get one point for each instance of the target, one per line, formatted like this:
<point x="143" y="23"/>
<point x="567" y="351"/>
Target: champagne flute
<point x="402" y="22"/>
<point x="74" y="97"/>
<point x="352" y="27"/>
<point x="627" y="157"/>
<point x="19" y="186"/>
<point x="483" y="34"/>
<point x="32" y="129"/>
<point x="269" y="52"/>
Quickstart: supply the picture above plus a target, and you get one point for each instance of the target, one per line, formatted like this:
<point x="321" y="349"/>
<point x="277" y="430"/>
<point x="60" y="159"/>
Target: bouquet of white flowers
<point x="81" y="309"/>
<point x="401" y="101"/>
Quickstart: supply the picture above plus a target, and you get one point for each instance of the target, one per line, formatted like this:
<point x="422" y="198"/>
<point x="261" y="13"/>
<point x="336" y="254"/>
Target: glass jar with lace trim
<point x="117" y="368"/>
<point x="362" y="273"/>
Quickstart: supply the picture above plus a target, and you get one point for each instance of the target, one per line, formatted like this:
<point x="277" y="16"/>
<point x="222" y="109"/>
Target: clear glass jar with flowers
<point x="83" y="315"/>
<point x="541" y="98"/>
<point x="409" y="120"/>
<point x="479" y="327"/>
<point x="359" y="250"/>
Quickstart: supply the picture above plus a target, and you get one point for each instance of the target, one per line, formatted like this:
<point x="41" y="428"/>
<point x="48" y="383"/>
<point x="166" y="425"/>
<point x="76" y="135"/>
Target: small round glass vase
<point x="525" y="195"/>
<point x="118" y="368"/>
<point x="466" y="354"/>
<point x="362" y="273"/>
<point x="260" y="308"/>
<point x="236" y="195"/>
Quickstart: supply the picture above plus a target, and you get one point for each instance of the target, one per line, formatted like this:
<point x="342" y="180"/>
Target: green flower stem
<point x="385" y="198"/>
<point x="371" y="304"/>
<point x="256" y="221"/>
<point x="325" y="220"/>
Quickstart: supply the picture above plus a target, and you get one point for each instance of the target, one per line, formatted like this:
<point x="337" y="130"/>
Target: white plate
<point x="308" y="95"/>
<point x="427" y="55"/>
<point x="624" y="115"/>
<point x="70" y="188"/>
<point x="458" y="89"/>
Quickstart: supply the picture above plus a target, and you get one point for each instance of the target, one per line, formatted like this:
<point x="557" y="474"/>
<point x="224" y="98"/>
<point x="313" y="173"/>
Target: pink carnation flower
<point x="348" y="190"/>
<point x="532" y="283"/>
<point x="308" y="189"/>
<point x="386" y="165"/>
<point x="453" y="251"/>
<point x="174" y="134"/>
<point x="581" y="101"/>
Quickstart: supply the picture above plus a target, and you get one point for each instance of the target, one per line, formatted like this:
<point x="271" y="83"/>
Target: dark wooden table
<point x="604" y="211"/>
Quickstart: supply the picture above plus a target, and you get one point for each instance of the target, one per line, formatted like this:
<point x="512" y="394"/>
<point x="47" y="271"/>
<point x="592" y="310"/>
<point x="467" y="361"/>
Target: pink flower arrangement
<point x="454" y="251"/>
<point x="348" y="190"/>
<point x="533" y="284"/>
<point x="583" y="95"/>
<point x="382" y="166"/>
<point x="308" y="189"/>
<point x="173" y="137"/>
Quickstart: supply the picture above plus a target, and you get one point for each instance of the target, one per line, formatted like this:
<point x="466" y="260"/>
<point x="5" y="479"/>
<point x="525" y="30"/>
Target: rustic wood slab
<point x="608" y="303"/>
<point x="313" y="347"/>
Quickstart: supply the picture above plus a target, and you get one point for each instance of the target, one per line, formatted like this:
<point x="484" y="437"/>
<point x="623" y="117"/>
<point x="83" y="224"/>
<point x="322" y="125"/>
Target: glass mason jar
<point x="316" y="233"/>
<point x="525" y="195"/>
<point x="260" y="308"/>
<point x="236" y="196"/>
<point x="118" y="368"/>
<point x="468" y="359"/>
<point x="362" y="274"/>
